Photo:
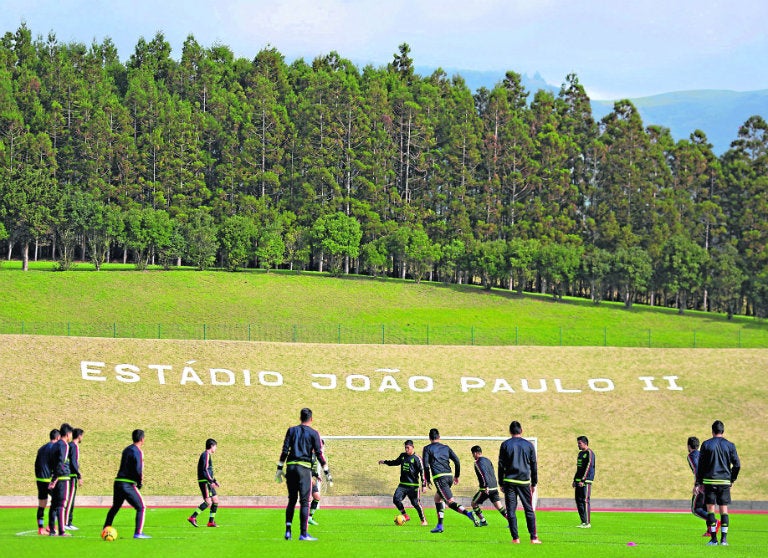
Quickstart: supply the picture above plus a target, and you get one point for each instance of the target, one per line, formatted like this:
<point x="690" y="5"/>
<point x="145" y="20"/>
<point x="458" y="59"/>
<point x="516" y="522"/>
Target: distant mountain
<point x="717" y="113"/>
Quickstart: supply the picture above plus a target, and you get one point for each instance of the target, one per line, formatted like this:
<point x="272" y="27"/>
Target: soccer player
<point x="301" y="444"/>
<point x="518" y="477"/>
<point x="43" y="477"/>
<point x="718" y="469"/>
<point x="317" y="483"/>
<point x="128" y="483"/>
<point x="76" y="478"/>
<point x="59" y="486"/>
<point x="489" y="489"/>
<point x="582" y="481"/>
<point x="698" y="508"/>
<point x="208" y="485"/>
<point x="411" y="480"/>
<point x="437" y="458"/>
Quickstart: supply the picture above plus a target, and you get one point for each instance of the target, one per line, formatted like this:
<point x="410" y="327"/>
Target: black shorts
<point x="42" y="490"/>
<point x="443" y="487"/>
<point x="719" y="494"/>
<point x="207" y="490"/>
<point x="481" y="496"/>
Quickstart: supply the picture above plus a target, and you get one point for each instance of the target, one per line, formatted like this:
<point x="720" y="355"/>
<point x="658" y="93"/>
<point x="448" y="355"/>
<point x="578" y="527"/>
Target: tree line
<point x="212" y="160"/>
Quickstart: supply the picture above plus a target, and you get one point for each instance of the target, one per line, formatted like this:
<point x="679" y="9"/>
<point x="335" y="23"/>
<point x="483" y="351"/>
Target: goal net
<point x="353" y="460"/>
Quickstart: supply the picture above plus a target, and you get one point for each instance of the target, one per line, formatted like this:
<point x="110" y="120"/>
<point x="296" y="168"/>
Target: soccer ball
<point x="399" y="519"/>
<point x="109" y="534"/>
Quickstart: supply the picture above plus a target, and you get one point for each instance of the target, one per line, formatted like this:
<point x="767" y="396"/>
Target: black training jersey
<point x="517" y="462"/>
<point x="718" y="462"/>
<point x="74" y="460"/>
<point x="301" y="444"/>
<point x="59" y="460"/>
<point x="411" y="469"/>
<point x="693" y="461"/>
<point x="43" y="471"/>
<point x="131" y="466"/>
<point x="585" y="466"/>
<point x="486" y="476"/>
<point x="437" y="459"/>
<point x="205" y="468"/>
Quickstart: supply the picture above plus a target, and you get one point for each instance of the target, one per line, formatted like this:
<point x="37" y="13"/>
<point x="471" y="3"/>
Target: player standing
<point x="317" y="484"/>
<point x="582" y="481"/>
<point x="128" y="483"/>
<point x="59" y="486"/>
<point x="437" y="458"/>
<point x="301" y="444"/>
<point x="43" y="477"/>
<point x="412" y="481"/>
<point x="698" y="508"/>
<point x="75" y="477"/>
<point x="488" y="489"/>
<point x="518" y="477"/>
<point x="208" y="485"/>
<point x="718" y="469"/>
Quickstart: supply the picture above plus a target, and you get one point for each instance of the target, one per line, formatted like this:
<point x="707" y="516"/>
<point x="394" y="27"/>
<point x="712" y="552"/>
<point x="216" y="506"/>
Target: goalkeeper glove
<point x="329" y="478"/>
<point x="279" y="475"/>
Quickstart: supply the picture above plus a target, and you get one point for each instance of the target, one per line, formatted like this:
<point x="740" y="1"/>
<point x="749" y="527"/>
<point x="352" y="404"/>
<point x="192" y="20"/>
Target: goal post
<point x="356" y="472"/>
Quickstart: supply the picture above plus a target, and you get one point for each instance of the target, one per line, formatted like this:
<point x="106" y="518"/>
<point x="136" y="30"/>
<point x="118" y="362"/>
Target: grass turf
<point x="371" y="533"/>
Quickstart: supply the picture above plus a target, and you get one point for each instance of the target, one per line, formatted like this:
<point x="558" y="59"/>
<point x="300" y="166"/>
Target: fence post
<point x="114" y="330"/>
<point x="739" y="338"/>
<point x="158" y="331"/>
<point x="605" y="337"/>
<point x="205" y="332"/>
<point x="694" y="338"/>
<point x="294" y="333"/>
<point x="649" y="338"/>
<point x="338" y="335"/>
<point x="517" y="335"/>
<point x="427" y="334"/>
<point x="561" y="336"/>
<point x="382" y="334"/>
<point x="249" y="332"/>
<point x="69" y="329"/>
<point x="22" y="328"/>
<point x="472" y="334"/>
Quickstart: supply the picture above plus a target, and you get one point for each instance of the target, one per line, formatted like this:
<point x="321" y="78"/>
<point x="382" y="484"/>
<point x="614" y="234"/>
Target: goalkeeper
<point x="411" y="480"/>
<point x="302" y="443"/>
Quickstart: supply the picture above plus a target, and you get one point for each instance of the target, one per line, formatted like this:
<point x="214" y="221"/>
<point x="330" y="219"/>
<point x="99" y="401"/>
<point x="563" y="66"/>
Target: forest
<point x="210" y="160"/>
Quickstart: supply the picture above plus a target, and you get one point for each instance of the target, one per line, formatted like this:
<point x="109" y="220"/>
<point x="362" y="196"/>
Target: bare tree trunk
<point x="25" y="256"/>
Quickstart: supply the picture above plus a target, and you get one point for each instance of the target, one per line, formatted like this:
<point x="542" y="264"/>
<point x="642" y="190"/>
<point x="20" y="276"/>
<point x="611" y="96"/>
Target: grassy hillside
<point x="317" y="308"/>
<point x="637" y="427"/>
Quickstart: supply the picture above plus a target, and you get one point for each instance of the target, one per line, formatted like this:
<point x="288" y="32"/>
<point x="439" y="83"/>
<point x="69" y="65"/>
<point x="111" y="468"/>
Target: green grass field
<point x="309" y="307"/>
<point x="371" y="533"/>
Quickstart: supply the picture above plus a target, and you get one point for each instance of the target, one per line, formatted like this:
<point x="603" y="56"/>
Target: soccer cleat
<point x="707" y="534"/>
<point x="407" y="517"/>
<point x="712" y="543"/>
<point x="483" y="524"/>
<point x="585" y="526"/>
<point x="193" y="521"/>
<point x="307" y="537"/>
<point x="515" y="541"/>
<point x="141" y="536"/>
<point x="437" y="529"/>
<point x="70" y="527"/>
<point x="472" y="518"/>
<point x="65" y="534"/>
<point x="535" y="541"/>
<point x="424" y="522"/>
<point x="312" y="521"/>
<point x="211" y="524"/>
<point x="723" y="543"/>
<point x="43" y="531"/>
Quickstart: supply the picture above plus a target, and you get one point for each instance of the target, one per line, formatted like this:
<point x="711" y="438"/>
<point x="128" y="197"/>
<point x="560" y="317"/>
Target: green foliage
<point x="438" y="179"/>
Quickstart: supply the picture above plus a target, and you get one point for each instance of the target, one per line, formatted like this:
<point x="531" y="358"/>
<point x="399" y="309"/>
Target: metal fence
<point x="744" y="337"/>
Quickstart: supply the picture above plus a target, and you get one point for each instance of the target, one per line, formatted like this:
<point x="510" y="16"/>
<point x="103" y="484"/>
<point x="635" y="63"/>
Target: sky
<point x="617" y="48"/>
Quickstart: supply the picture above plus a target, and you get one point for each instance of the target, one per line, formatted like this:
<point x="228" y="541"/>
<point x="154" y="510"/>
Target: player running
<point x="488" y="489"/>
<point x="208" y="485"/>
<point x="412" y="481"/>
<point x="437" y="459"/>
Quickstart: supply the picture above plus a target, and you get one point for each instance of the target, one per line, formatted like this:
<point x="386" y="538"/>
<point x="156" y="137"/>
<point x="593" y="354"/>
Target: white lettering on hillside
<point x="188" y="374"/>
